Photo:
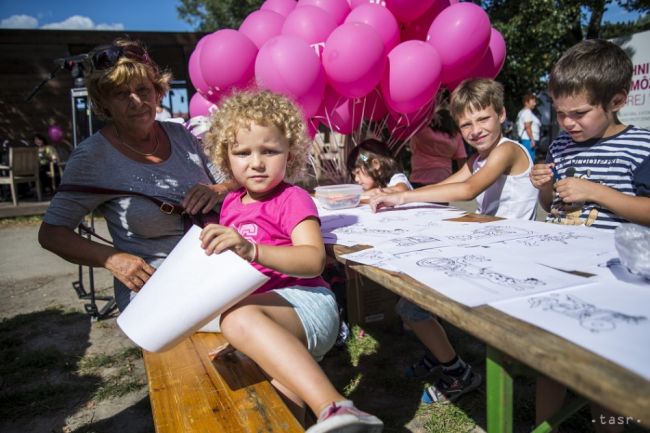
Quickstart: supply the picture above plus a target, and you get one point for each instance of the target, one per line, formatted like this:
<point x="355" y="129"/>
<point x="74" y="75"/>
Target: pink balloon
<point x="262" y="25"/>
<point x="408" y="10"/>
<point x="354" y="59"/>
<point x="194" y="69"/>
<point x="227" y="60"/>
<point x="338" y="9"/>
<point x="494" y="58"/>
<point x="372" y="106"/>
<point x="283" y="7"/>
<point x="55" y="133"/>
<point x="460" y="34"/>
<point x="380" y="19"/>
<point x="339" y="113"/>
<point x="418" y="28"/>
<point x="199" y="106"/>
<point x="311" y="101"/>
<point x="405" y="88"/>
<point x="310" y="23"/>
<point x="287" y="65"/>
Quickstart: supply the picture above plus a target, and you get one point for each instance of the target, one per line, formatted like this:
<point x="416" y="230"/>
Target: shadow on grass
<point x="128" y="420"/>
<point x="39" y="356"/>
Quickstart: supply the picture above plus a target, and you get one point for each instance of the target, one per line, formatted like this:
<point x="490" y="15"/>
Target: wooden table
<point x="585" y="372"/>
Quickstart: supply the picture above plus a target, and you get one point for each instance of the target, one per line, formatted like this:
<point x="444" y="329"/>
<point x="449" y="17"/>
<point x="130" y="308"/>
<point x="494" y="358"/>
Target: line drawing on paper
<point x="588" y="315"/>
<point x="410" y="241"/>
<point x="537" y="240"/>
<point x="465" y="267"/>
<point x="362" y="230"/>
<point x="491" y="232"/>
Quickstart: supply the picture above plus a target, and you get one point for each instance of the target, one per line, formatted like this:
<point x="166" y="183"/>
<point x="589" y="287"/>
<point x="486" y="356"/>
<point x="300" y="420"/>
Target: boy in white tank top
<point x="497" y="177"/>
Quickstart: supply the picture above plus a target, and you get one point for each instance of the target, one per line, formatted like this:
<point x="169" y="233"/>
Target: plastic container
<point x="339" y="196"/>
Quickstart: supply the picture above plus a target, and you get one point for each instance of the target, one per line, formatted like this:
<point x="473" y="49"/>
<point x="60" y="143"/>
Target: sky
<point x="129" y="15"/>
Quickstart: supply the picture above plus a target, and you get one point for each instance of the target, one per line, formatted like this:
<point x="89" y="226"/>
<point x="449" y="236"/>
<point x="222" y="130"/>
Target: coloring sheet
<point x="610" y="318"/>
<point x="479" y="275"/>
<point x="360" y="226"/>
<point x="570" y="248"/>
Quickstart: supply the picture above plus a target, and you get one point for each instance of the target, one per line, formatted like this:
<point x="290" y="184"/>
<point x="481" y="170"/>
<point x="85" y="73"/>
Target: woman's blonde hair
<point x="134" y="64"/>
<point x="264" y="108"/>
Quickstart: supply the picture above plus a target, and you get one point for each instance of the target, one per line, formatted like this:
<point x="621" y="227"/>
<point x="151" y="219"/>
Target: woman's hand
<point x="541" y="176"/>
<point x="131" y="270"/>
<point x="202" y="198"/>
<point x="385" y="200"/>
<point x="216" y="238"/>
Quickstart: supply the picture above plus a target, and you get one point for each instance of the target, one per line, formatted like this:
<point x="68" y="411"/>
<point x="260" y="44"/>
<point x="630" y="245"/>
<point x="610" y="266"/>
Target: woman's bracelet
<point x="255" y="251"/>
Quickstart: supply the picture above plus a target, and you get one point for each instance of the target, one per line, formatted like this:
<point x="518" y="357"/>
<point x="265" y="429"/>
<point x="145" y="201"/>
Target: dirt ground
<point x="42" y="314"/>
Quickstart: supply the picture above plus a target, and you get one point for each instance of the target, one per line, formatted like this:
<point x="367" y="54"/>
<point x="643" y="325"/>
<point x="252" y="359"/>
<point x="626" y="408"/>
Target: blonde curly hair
<point x="263" y="108"/>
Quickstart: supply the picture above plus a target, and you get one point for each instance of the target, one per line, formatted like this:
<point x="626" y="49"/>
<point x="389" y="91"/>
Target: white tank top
<point x="510" y="196"/>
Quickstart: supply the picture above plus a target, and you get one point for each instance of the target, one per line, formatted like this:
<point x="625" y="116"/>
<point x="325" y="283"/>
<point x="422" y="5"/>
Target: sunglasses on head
<point x="107" y="57"/>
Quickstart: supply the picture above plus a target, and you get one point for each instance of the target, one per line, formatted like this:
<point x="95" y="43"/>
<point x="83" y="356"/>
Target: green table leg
<point x="499" y="393"/>
<point x="567" y="411"/>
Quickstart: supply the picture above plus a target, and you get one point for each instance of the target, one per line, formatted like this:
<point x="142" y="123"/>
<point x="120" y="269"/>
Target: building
<point x="27" y="59"/>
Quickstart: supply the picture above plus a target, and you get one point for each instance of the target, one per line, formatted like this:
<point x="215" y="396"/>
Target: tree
<point x="537" y="32"/>
<point x="211" y="15"/>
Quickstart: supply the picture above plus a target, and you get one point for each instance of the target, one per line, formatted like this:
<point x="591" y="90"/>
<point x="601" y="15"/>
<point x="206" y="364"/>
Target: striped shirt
<point x="612" y="161"/>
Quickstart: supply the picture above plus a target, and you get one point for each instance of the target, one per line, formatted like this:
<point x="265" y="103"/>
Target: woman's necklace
<point x="155" y="147"/>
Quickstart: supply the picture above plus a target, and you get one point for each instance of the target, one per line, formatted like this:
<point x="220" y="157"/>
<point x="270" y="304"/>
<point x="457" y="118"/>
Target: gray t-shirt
<point x="136" y="224"/>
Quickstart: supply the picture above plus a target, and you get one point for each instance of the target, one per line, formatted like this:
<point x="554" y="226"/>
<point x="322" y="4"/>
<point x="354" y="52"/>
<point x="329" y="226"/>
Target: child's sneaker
<point x="343" y="417"/>
<point x="425" y="367"/>
<point x="449" y="388"/>
<point x="344" y="334"/>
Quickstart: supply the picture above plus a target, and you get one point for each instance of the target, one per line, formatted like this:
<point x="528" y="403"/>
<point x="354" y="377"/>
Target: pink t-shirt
<point x="433" y="151"/>
<point x="270" y="222"/>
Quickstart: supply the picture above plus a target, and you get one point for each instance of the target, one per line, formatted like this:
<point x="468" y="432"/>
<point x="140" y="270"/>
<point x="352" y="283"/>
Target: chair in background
<point x="22" y="168"/>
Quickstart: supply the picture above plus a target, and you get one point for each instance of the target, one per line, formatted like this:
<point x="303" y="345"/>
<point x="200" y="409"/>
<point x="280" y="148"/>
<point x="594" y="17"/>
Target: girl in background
<point x="375" y="169"/>
<point x="290" y="322"/>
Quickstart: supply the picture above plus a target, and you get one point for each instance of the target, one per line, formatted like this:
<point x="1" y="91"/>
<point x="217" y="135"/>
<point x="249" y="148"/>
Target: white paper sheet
<point x="473" y="277"/>
<point x="610" y="318"/>
<point x="188" y="290"/>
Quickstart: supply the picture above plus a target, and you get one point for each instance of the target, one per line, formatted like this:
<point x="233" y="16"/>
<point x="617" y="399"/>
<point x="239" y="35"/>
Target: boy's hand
<point x="216" y="238"/>
<point x="574" y="189"/>
<point x="385" y="200"/>
<point x="541" y="176"/>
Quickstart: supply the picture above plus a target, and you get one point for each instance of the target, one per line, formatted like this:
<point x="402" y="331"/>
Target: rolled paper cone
<point x="186" y="292"/>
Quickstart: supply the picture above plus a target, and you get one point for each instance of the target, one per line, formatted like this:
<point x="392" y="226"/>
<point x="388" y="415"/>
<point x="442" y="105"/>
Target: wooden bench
<point x="191" y="393"/>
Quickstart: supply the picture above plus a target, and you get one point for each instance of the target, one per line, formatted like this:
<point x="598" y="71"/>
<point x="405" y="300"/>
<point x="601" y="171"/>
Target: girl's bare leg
<point x="267" y="329"/>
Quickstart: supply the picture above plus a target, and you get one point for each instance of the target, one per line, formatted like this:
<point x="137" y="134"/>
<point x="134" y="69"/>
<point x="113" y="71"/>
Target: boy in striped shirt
<point x="597" y="172"/>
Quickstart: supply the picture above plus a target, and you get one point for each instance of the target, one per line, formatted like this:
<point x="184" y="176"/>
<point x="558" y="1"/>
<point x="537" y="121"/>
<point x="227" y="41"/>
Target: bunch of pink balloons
<point x="344" y="61"/>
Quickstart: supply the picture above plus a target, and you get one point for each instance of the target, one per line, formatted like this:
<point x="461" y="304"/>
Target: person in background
<point x="597" y="172"/>
<point x="528" y="125"/>
<point x="497" y="176"/>
<point x="131" y="153"/>
<point x="291" y="322"/>
<point x="373" y="167"/>
<point x="46" y="154"/>
<point x="434" y="148"/>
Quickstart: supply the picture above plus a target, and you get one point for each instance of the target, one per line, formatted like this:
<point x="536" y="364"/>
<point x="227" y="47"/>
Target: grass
<point x="21" y="221"/>
<point x="41" y="378"/>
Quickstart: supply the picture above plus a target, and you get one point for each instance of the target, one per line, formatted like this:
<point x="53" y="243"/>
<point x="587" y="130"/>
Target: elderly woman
<point x="131" y="154"/>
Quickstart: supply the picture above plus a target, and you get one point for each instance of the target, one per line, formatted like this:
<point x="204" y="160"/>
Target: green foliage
<point x="211" y="15"/>
<point x="537" y="32"/>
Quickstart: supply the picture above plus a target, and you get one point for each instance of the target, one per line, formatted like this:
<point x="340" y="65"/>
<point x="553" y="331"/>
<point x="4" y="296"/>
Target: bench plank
<point x="190" y="393"/>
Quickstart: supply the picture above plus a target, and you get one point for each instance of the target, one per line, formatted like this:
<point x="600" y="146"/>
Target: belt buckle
<point x="167" y="208"/>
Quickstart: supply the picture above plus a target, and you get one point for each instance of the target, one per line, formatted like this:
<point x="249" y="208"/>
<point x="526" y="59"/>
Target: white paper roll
<point x="188" y="290"/>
